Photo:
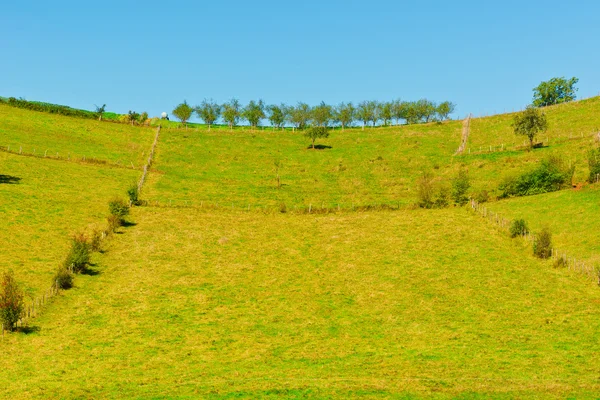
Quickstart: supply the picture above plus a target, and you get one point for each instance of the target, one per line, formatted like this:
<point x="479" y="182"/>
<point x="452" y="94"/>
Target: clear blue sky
<point x="149" y="56"/>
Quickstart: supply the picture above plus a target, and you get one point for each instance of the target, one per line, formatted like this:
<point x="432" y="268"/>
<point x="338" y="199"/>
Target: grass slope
<point x="39" y="131"/>
<point x="571" y="215"/>
<point x="245" y="305"/>
<point x="361" y="167"/>
<point x="42" y="203"/>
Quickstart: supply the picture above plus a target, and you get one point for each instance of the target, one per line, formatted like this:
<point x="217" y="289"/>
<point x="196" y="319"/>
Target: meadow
<point x="41" y="133"/>
<point x="43" y="203"/>
<point x="375" y="305"/>
<point x="215" y="290"/>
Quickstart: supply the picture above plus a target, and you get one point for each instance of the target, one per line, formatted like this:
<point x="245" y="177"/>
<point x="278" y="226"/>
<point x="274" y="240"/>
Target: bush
<point x="11" y="301"/>
<point x="561" y="262"/>
<point x="518" y="227"/>
<point x="114" y="222"/>
<point x="460" y="186"/>
<point x="425" y="190"/>
<point x="443" y="198"/>
<point x="551" y="175"/>
<point x="63" y="278"/>
<point x="482" y="196"/>
<point x="542" y="246"/>
<point x="79" y="256"/>
<point x="133" y="194"/>
<point x="96" y="240"/>
<point x="282" y="208"/>
<point x="50" y="108"/>
<point x="594" y="164"/>
<point x="118" y="208"/>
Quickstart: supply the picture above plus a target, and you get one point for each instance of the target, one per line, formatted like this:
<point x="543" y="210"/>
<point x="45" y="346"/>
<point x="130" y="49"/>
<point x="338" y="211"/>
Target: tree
<point x="300" y="115"/>
<point x="365" y="112"/>
<point x="183" y="112"/>
<point x="231" y="113"/>
<point x="208" y="111"/>
<point x="425" y="110"/>
<point x="460" y="186"/>
<point x="254" y="112"/>
<point x="344" y="114"/>
<point x="143" y="118"/>
<point x="445" y="109"/>
<point x="529" y="123"/>
<point x="322" y="115"/>
<point x="315" y="132"/>
<point x="277" y="115"/>
<point x="386" y="112"/>
<point x="100" y="111"/>
<point x="133" y="117"/>
<point x="11" y="301"/>
<point x="554" y="91"/>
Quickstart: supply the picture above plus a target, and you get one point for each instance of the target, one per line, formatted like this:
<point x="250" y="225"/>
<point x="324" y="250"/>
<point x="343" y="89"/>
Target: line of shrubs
<point x="12" y="304"/>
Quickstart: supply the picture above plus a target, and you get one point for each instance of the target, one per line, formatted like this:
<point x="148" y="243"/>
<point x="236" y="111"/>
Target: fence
<point x="514" y="146"/>
<point x="149" y="162"/>
<point x="557" y="255"/>
<point x="37" y="304"/>
<point x="69" y="158"/>
<point x="465" y="135"/>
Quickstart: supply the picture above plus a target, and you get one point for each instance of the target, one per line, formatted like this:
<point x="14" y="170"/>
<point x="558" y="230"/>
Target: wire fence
<point x="561" y="258"/>
<point x="34" y="309"/>
<point x="514" y="146"/>
<point x="56" y="155"/>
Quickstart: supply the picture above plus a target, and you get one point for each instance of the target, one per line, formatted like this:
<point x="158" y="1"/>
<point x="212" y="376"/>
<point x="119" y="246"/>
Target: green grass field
<point x="44" y="202"/>
<point x="40" y="132"/>
<point x="245" y="305"/>
<point x="220" y="302"/>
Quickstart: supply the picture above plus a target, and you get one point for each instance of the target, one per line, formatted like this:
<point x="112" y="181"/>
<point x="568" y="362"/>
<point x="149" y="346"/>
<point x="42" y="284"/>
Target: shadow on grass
<point x="128" y="224"/>
<point x="9" y="179"/>
<point x="319" y="147"/>
<point x="89" y="270"/>
<point x="29" y="329"/>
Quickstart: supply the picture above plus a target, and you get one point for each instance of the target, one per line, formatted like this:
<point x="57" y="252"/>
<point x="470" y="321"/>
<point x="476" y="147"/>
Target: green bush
<point x="518" y="227"/>
<point x="96" y="240"/>
<point x="11" y="301"/>
<point x="460" y="186"/>
<point x="63" y="278"/>
<point x="542" y="246"/>
<point x="561" y="262"/>
<point x="594" y="164"/>
<point x="443" y="197"/>
<point x="79" y="255"/>
<point x="114" y="222"/>
<point x="425" y="190"/>
<point x="482" y="196"/>
<point x="50" y="108"/>
<point x="133" y="194"/>
<point x="118" y="208"/>
<point x="551" y="175"/>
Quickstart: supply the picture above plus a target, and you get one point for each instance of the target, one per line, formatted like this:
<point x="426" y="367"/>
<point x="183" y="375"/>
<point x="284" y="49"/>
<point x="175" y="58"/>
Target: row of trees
<point x="303" y="115"/>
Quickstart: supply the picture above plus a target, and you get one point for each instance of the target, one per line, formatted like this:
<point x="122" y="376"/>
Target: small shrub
<point x="460" y="186"/>
<point x="594" y="164"/>
<point x="542" y="247"/>
<point x="443" y="197"/>
<point x="282" y="208"/>
<point x="482" y="196"/>
<point x="133" y="194"/>
<point x="96" y="240"/>
<point x="79" y="256"/>
<point x="561" y="262"/>
<point x="63" y="278"/>
<point x="11" y="301"/>
<point x="118" y="208"/>
<point x="114" y="222"/>
<point x="518" y="227"/>
<point x="425" y="190"/>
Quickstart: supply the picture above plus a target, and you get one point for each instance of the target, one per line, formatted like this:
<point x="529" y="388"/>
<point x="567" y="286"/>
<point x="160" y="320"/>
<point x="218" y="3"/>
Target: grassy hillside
<point x="37" y="131"/>
<point x="571" y="215"/>
<point x="373" y="166"/>
<point x="42" y="203"/>
<point x="245" y="305"/>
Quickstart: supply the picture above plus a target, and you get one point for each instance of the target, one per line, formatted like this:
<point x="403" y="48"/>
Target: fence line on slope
<point x="74" y="159"/>
<point x="34" y="308"/>
<point x="557" y="255"/>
